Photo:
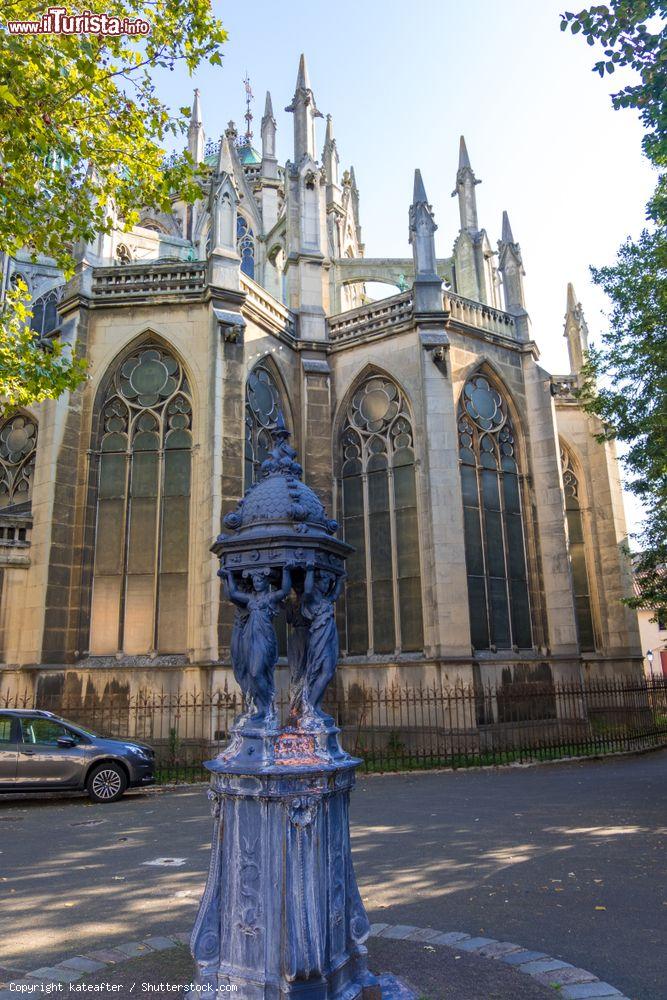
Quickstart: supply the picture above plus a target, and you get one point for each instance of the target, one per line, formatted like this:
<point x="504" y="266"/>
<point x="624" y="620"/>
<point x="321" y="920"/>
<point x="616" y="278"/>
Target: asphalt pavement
<point x="567" y="859"/>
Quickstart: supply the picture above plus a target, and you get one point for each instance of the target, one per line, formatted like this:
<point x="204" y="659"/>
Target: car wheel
<point x="106" y="783"/>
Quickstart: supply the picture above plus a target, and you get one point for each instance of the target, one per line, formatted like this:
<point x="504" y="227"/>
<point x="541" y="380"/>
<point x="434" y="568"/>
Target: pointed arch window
<point x="140" y="574"/>
<point x="577" y="553"/>
<point x="18" y="445"/>
<point x="493" y="520"/>
<point x="45" y="316"/>
<point x="245" y="244"/>
<point x="262" y="403"/>
<point x="383" y="606"/>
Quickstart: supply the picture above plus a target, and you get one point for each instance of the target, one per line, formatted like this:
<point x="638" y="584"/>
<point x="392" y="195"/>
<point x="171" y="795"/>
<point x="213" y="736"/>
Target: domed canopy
<point x="280" y="513"/>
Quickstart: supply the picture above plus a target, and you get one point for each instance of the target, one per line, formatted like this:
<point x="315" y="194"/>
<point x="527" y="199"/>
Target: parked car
<point x="40" y="752"/>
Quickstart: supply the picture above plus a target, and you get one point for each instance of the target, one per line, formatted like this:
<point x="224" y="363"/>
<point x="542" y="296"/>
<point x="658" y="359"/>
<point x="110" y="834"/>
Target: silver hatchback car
<point x="40" y="752"/>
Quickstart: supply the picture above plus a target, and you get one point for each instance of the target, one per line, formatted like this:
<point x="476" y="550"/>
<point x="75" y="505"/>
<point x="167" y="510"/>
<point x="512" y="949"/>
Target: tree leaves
<point x="83" y="133"/>
<point x="625" y="379"/>
<point x="30" y="373"/>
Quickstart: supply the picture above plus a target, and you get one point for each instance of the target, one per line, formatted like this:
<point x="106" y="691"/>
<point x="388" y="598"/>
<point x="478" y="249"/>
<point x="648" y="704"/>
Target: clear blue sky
<point x="404" y="80"/>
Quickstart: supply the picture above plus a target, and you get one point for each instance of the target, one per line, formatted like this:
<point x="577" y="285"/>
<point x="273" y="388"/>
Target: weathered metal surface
<point x="281" y="915"/>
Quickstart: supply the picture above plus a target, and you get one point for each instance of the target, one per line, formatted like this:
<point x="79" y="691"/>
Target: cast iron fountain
<point x="281" y="916"/>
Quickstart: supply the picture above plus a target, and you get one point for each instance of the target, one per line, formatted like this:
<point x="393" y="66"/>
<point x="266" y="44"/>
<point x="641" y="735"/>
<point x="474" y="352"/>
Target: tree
<point x="624" y="380"/>
<point x="82" y="139"/>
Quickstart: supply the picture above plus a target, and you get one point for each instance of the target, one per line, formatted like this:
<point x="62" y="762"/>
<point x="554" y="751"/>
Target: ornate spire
<point x="422" y="227"/>
<point x="225" y="163"/>
<point x="507" y="236"/>
<point x="510" y="266"/>
<point x="305" y="112"/>
<point x="576" y="331"/>
<point x="330" y="158"/>
<point x="465" y="190"/>
<point x="247" y="139"/>
<point x="268" y="130"/>
<point x="196" y="136"/>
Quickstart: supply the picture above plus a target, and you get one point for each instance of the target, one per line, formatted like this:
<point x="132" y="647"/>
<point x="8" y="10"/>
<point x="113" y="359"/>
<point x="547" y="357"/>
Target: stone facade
<point x="264" y="278"/>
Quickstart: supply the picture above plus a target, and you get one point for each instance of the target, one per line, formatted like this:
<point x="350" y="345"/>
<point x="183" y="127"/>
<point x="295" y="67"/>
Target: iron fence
<point x="397" y="728"/>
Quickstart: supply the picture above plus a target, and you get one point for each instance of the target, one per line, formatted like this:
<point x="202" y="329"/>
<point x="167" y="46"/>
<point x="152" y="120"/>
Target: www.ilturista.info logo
<point x="56" y="21"/>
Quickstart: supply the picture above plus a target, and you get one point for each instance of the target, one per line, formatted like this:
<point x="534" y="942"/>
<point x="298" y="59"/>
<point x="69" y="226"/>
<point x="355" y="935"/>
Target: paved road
<point x="567" y="859"/>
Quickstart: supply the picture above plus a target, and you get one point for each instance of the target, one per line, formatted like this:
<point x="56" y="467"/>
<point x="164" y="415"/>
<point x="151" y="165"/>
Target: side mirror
<point x="66" y="741"/>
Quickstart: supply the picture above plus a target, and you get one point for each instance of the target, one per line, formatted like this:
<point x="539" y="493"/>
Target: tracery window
<point x="577" y="553"/>
<point x="245" y="245"/>
<point x="45" y="317"/>
<point x="18" y="443"/>
<point x="262" y="403"/>
<point x="383" y="606"/>
<point x="493" y="520"/>
<point x="143" y="508"/>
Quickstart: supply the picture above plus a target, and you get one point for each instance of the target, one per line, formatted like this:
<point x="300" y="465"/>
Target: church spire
<point x="196" y="131"/>
<point x="268" y="130"/>
<point x="268" y="192"/>
<point x="330" y="158"/>
<point x="576" y="331"/>
<point x="305" y="112"/>
<point x="510" y="267"/>
<point x="465" y="189"/>
<point x="422" y="227"/>
<point x="247" y="139"/>
<point x="225" y="164"/>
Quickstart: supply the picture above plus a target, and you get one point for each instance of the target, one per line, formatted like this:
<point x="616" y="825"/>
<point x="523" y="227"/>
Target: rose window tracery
<point x="18" y="442"/>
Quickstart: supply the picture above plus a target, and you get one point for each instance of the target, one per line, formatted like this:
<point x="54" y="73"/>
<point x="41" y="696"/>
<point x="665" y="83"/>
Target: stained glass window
<point x="382" y="602"/>
<point x="18" y="442"/>
<point x="577" y="553"/>
<point x="245" y="244"/>
<point x="493" y="520"/>
<point x="143" y="508"/>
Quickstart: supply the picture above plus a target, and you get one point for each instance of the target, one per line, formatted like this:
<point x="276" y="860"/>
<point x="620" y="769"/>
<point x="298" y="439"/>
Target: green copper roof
<point x="248" y="155"/>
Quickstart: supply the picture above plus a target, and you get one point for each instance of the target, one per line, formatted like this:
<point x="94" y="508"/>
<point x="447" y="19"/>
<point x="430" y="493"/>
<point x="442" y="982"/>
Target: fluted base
<point x="281" y="915"/>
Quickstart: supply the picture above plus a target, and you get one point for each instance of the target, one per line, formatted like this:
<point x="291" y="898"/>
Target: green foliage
<point x="83" y="133"/>
<point x="31" y="371"/>
<point x="632" y="34"/>
<point x="625" y="379"/>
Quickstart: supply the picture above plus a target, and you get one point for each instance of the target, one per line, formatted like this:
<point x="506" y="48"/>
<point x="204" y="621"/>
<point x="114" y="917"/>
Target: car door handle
<point x="28" y="753"/>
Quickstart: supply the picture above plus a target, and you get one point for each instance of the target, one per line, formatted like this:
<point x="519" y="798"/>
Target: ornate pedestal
<point x="281" y="915"/>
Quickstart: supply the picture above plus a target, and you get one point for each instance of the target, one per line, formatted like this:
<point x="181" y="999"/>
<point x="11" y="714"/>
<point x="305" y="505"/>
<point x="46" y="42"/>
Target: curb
<point x="571" y="982"/>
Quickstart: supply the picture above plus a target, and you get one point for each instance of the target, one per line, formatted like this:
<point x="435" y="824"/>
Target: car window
<point x="5" y="729"/>
<point x="43" y="731"/>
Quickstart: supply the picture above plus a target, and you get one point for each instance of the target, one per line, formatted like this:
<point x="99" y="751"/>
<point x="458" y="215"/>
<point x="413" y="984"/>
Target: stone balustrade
<point x="15" y="531"/>
<point x="277" y="314"/>
<point x="478" y="315"/>
<point x="376" y="317"/>
<point x="138" y="281"/>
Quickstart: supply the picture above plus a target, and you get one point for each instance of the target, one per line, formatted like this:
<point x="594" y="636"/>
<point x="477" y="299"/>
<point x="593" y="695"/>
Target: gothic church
<point x="487" y="523"/>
